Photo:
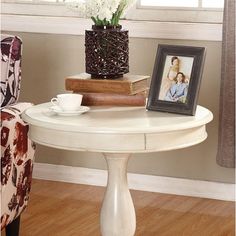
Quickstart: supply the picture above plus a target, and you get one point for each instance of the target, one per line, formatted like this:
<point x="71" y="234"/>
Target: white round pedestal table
<point x="117" y="132"/>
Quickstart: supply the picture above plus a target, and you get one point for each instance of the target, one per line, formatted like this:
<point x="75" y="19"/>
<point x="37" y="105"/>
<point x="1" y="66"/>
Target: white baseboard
<point x="160" y="184"/>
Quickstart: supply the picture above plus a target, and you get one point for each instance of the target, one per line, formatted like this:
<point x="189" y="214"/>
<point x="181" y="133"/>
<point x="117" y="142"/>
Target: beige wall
<point x="48" y="59"/>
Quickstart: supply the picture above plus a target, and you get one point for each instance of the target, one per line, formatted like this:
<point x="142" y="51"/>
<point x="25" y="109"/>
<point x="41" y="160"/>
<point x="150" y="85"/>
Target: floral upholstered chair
<point x="17" y="151"/>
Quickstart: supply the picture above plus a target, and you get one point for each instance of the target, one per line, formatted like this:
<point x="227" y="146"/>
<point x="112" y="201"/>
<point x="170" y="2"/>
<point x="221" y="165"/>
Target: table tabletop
<point x="106" y="128"/>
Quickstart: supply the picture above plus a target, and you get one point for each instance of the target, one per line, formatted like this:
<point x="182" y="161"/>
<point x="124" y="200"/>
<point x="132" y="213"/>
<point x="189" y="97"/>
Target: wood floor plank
<point x="63" y="209"/>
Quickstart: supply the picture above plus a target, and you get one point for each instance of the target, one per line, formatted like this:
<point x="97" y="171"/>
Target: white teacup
<point x="68" y="101"/>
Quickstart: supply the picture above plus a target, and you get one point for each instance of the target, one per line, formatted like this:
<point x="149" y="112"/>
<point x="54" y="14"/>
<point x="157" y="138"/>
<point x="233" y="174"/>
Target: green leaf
<point x="94" y="20"/>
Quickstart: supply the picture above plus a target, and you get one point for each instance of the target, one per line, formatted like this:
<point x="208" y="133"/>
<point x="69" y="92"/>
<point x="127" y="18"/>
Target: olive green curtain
<point x="226" y="142"/>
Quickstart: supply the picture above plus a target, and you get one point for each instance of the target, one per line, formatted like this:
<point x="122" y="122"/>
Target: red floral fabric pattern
<point x="17" y="153"/>
<point x="11" y="51"/>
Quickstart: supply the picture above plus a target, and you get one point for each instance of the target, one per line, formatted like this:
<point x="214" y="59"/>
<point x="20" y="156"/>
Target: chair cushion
<point x="17" y="153"/>
<point x="11" y="51"/>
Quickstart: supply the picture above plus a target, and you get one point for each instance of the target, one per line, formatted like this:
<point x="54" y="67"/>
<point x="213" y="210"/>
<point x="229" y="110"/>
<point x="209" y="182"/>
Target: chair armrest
<point x="17" y="108"/>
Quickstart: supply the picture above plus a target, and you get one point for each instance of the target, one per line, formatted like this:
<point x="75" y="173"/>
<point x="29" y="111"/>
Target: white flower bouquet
<point x="102" y="12"/>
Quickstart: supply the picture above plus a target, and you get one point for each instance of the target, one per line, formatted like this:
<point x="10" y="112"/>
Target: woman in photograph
<point x="179" y="90"/>
<point x="169" y="79"/>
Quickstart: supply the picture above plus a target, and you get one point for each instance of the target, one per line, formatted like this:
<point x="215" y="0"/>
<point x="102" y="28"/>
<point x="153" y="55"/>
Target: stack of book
<point x="129" y="90"/>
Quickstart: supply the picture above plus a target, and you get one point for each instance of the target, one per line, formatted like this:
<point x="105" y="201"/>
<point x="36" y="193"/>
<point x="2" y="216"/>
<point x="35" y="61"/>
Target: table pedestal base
<point x="117" y="213"/>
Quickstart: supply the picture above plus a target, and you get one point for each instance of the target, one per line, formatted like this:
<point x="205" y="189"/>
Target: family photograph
<point x="176" y="78"/>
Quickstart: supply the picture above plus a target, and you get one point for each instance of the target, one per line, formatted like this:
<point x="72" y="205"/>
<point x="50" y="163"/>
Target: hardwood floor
<point x="62" y="209"/>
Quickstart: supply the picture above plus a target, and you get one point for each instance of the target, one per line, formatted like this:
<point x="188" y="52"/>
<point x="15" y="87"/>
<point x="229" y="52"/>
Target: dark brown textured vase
<point x="106" y="52"/>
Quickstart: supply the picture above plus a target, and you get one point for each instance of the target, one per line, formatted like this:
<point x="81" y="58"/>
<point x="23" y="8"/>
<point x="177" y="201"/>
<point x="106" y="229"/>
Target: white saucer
<point x="60" y="112"/>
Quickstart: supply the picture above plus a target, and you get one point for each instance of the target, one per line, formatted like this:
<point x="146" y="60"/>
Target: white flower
<point x="93" y="7"/>
<point x="105" y="13"/>
<point x="113" y="5"/>
<point x="102" y="12"/>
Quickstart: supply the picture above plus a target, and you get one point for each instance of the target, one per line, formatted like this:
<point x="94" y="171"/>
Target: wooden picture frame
<point x="176" y="79"/>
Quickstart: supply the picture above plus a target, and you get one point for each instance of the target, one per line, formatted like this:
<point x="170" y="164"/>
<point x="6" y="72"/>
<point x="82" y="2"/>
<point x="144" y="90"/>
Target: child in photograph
<point x="169" y="80"/>
<point x="178" y="91"/>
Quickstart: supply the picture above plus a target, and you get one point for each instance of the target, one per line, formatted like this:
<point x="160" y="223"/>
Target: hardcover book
<point x="128" y="84"/>
<point x="111" y="99"/>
